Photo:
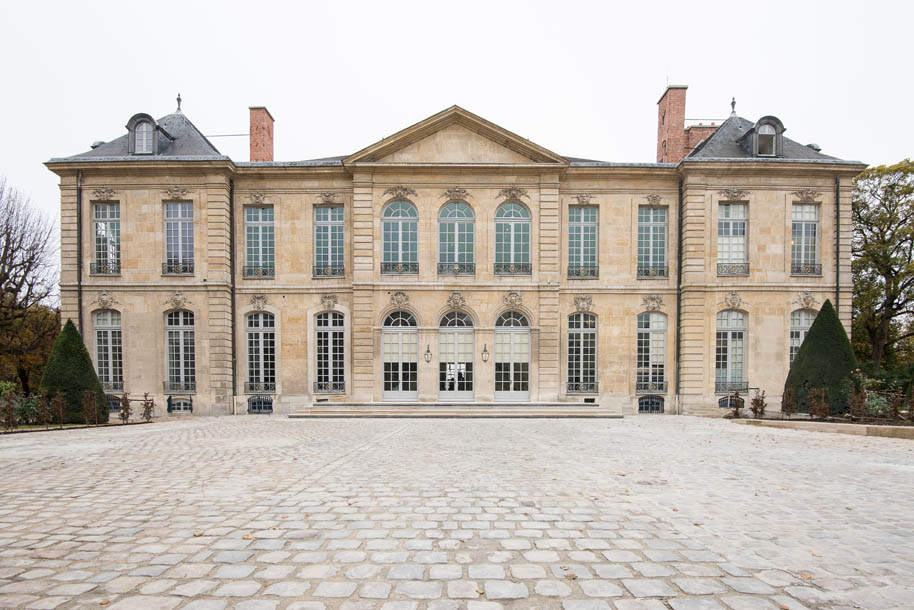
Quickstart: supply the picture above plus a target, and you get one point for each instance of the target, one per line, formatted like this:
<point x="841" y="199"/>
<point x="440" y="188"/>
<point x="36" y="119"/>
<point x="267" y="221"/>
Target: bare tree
<point x="27" y="272"/>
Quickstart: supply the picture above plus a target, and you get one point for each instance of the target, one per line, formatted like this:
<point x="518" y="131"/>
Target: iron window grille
<point x="456" y="268"/>
<point x="108" y="268"/>
<point x="176" y="268"/>
<point x="582" y="387"/>
<point x="319" y="271"/>
<point x="806" y="269"/>
<point x="513" y="268"/>
<point x="650" y="404"/>
<point x="732" y="269"/>
<point x="329" y="387"/>
<point x="399" y="267"/>
<point x="257" y="271"/>
<point x="583" y="271"/>
<point x="653" y="271"/>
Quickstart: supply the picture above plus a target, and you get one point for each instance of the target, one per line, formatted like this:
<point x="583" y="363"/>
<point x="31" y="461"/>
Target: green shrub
<point x="824" y="360"/>
<point x="27" y="411"/>
<point x="69" y="372"/>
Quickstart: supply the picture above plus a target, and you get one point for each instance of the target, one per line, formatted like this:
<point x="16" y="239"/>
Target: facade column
<point x="363" y="267"/>
<point x="549" y="245"/>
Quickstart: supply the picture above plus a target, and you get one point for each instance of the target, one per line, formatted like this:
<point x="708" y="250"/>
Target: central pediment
<point x="455" y="136"/>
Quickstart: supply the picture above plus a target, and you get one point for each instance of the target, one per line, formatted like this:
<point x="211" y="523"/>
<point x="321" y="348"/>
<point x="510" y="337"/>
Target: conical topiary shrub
<point x="69" y="371"/>
<point x="825" y="359"/>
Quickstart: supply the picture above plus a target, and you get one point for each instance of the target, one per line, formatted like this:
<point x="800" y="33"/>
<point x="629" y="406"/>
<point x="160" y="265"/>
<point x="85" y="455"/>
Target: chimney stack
<point x="261" y="134"/>
<point x="671" y="136"/>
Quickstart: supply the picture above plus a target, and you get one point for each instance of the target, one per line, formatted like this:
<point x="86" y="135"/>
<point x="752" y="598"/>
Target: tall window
<point x="800" y="321"/>
<point x="400" y="352"/>
<point x="261" y="331"/>
<point x="730" y="357"/>
<point x="582" y="242"/>
<point x="512" y="356"/>
<point x="142" y="138"/>
<point x="582" y="353"/>
<point x="731" y="240"/>
<point x="179" y="237"/>
<point x="107" y="219"/>
<point x="456" y="236"/>
<point x="331" y="371"/>
<point x="328" y="241"/>
<point x="804" y="235"/>
<point x="259" y="242"/>
<point x="651" y="356"/>
<point x="108" y="349"/>
<point x="179" y="339"/>
<point x="652" y="242"/>
<point x="512" y="239"/>
<point x="401" y="243"/>
<point x="455" y="356"/>
<point x="766" y="140"/>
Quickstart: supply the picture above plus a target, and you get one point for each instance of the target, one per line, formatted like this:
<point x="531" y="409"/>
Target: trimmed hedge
<point x="825" y="360"/>
<point x="69" y="371"/>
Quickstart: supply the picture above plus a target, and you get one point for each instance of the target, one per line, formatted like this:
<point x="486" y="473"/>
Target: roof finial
<point x="733" y="107"/>
<point x="179" y="103"/>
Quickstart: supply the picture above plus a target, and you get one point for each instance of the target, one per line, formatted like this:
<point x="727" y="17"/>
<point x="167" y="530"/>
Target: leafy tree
<point x="69" y="373"/>
<point x="25" y="349"/>
<point x="824" y="361"/>
<point x="883" y="251"/>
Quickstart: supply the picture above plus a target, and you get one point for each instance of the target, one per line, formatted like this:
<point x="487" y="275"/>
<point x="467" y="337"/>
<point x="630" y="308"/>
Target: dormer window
<point x="766" y="140"/>
<point x="143" y="137"/>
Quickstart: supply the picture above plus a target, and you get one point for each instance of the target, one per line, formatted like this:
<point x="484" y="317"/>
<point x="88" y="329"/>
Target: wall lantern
<point x="485" y="353"/>
<point x="428" y="353"/>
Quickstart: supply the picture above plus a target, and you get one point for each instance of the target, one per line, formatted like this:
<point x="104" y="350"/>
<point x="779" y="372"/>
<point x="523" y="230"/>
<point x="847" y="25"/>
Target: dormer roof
<point x="731" y="138"/>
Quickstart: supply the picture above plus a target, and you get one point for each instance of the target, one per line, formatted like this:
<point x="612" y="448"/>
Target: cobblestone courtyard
<point x="646" y="513"/>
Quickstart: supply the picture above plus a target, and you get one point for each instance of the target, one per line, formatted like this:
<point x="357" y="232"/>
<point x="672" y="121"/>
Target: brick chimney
<point x="671" y="136"/>
<point x="261" y="134"/>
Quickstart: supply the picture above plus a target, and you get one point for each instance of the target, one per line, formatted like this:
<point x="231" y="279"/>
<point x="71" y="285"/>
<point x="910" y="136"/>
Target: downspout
<point x="838" y="245"/>
<point x="79" y="250"/>
<point x="679" y="299"/>
<point x="232" y="280"/>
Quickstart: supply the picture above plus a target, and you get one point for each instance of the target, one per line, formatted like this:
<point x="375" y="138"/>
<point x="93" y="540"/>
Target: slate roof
<point x="724" y="144"/>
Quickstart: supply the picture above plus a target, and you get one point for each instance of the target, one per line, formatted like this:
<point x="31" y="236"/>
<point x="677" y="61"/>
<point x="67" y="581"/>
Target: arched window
<point x="260" y="404"/>
<point x="730" y="356"/>
<point x="766" y="140"/>
<point x="456" y="318"/>
<point x="582" y="353"/>
<point x="651" y="353"/>
<point x="331" y="365"/>
<point x="800" y="321"/>
<point x="400" y="318"/>
<point x="179" y="331"/>
<point x="650" y="404"/>
<point x="142" y="138"/>
<point x="401" y="242"/>
<point x="512" y="356"/>
<point x="109" y="349"/>
<point x="261" y="335"/>
<point x="456" y="237"/>
<point x="455" y="356"/>
<point x="400" y="353"/>
<point x="180" y="405"/>
<point x="512" y="239"/>
<point x="511" y="318"/>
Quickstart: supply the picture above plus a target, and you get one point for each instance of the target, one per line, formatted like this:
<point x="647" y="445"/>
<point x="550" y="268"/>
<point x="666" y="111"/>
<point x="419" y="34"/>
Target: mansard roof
<point x="728" y="143"/>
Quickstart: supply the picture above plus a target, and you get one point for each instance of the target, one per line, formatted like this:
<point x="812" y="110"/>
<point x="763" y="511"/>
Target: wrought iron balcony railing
<point x="180" y="386"/>
<point x="732" y="268"/>
<point x="806" y="269"/>
<point x="329" y="387"/>
<point x="399" y="267"/>
<point x="105" y="268"/>
<point x="112" y="386"/>
<point x="513" y="268"/>
<point x="652" y="271"/>
<point x="258" y="271"/>
<point x="328" y="271"/>
<point x="650" y="387"/>
<point x="176" y="268"/>
<point x="582" y="387"/>
<point x="456" y="268"/>
<point x="724" y="387"/>
<point x="259" y="387"/>
<point x="583" y="272"/>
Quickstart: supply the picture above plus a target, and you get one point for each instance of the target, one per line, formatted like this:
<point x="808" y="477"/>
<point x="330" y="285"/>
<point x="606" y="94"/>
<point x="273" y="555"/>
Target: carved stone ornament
<point x="513" y="299"/>
<point x="399" y="298"/>
<point x="259" y="301"/>
<point x="652" y="302"/>
<point x="583" y="302"/>
<point x="733" y="194"/>
<point x="456" y="301"/>
<point x="733" y="300"/>
<point x="329" y="301"/>
<point x="103" y="194"/>
<point x="806" y="300"/>
<point x="654" y="199"/>
<point x="584" y="198"/>
<point x="105" y="300"/>
<point x="258" y="198"/>
<point x="177" y="300"/>
<point x="458" y="193"/>
<point x="328" y="197"/>
<point x="400" y="192"/>
<point x="176" y="192"/>
<point x="807" y="196"/>
<point x="513" y="193"/>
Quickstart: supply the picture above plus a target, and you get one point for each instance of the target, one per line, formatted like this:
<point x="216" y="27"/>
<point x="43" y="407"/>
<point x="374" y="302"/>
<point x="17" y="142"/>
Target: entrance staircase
<point x="454" y="409"/>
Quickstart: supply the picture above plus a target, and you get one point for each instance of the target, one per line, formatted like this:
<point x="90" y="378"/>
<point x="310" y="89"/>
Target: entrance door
<point x="400" y="347"/>
<point x="512" y="357"/>
<point x="455" y="357"/>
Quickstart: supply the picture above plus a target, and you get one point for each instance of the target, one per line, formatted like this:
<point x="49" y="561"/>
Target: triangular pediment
<point x="455" y="136"/>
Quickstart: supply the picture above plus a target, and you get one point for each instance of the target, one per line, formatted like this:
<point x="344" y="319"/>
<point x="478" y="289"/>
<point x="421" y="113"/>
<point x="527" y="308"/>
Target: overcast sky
<point x="581" y="79"/>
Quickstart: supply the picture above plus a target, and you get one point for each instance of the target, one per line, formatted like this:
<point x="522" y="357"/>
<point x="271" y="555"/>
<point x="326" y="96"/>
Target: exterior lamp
<point x="485" y="353"/>
<point x="428" y="353"/>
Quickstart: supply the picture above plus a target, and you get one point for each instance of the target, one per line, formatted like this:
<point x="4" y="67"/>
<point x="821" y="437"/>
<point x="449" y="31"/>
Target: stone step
<point x="454" y="410"/>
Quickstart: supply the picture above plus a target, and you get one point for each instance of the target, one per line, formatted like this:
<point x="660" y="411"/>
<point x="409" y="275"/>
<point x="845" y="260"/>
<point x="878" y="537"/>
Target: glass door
<point x="512" y="357"/>
<point x="400" y="347"/>
<point x="455" y="357"/>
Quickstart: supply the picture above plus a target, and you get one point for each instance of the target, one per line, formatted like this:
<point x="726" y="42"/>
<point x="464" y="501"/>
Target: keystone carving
<point x="807" y="196"/>
<point x="457" y="193"/>
<point x="733" y="300"/>
<point x="513" y="299"/>
<point x="733" y="194"/>
<point x="328" y="197"/>
<point x="399" y="298"/>
<point x="806" y="300"/>
<point x="456" y="301"/>
<point x="652" y="302"/>
<point x="583" y="302"/>
<point x="105" y="300"/>
<point x="177" y="300"/>
<point x="176" y="192"/>
<point x="513" y="193"/>
<point x="400" y="192"/>
<point x="259" y="301"/>
<point x="329" y="301"/>
<point x="584" y="198"/>
<point x="103" y="194"/>
<point x="258" y="198"/>
<point x="654" y="199"/>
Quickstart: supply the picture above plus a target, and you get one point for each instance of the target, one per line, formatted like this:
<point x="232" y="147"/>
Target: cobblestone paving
<point x="649" y="513"/>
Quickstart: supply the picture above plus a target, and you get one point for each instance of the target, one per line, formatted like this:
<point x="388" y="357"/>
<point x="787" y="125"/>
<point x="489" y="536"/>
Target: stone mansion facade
<point x="452" y="262"/>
